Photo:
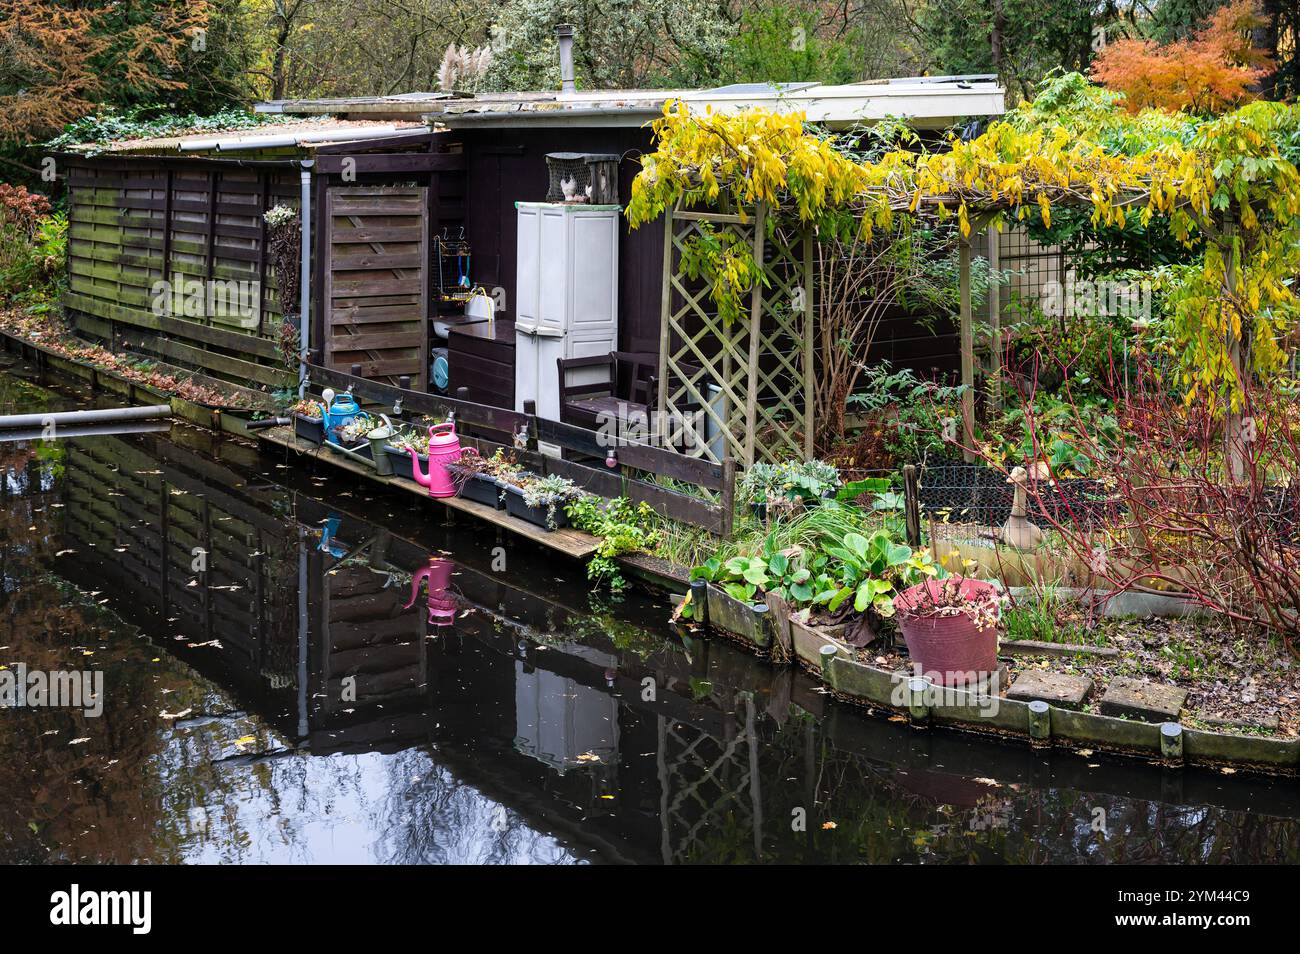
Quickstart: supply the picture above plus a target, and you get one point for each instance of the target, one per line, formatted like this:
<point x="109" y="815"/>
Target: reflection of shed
<point x="562" y="722"/>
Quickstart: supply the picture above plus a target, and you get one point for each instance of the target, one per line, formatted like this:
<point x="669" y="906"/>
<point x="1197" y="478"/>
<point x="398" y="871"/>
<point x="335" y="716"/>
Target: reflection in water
<point x="279" y="690"/>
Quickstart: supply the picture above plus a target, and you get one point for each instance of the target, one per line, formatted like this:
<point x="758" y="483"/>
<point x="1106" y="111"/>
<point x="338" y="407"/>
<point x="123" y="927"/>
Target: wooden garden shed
<point x="169" y="255"/>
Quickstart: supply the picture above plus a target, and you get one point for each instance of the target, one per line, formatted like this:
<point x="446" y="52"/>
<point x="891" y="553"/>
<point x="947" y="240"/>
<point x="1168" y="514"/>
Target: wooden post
<point x="995" y="317"/>
<point x="755" y="329"/>
<point x="967" y="353"/>
<point x="1233" y="423"/>
<point x="826" y="654"/>
<point x="210" y="250"/>
<point x="809" y="315"/>
<point x="917" y="706"/>
<point x="530" y="409"/>
<point x="264" y="199"/>
<point x="727" y="496"/>
<point x="167" y="229"/>
<point x="1171" y="742"/>
<point x="912" y="505"/>
<point x="1040" y="721"/>
<point x="665" y="339"/>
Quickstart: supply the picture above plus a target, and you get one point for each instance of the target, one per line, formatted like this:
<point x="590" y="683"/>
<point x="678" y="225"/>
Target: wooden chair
<point x="626" y="388"/>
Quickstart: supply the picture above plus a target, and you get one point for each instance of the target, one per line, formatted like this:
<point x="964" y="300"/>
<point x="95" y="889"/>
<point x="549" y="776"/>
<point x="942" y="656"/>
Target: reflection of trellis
<point x="702" y="780"/>
<point x="752" y="383"/>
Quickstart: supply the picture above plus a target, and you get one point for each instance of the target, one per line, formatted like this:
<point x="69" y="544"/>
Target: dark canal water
<point x="286" y="698"/>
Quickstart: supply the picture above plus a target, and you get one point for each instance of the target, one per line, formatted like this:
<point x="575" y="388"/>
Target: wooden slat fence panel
<point x="199" y="228"/>
<point x="377" y="282"/>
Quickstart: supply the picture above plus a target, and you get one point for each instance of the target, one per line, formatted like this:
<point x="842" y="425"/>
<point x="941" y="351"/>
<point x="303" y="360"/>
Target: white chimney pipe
<point x="564" y="34"/>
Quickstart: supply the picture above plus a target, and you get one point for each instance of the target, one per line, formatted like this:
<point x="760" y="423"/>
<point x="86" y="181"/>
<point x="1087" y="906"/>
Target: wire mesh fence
<point x="971" y="502"/>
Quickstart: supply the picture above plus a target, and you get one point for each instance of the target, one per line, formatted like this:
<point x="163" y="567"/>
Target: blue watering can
<point x="338" y="412"/>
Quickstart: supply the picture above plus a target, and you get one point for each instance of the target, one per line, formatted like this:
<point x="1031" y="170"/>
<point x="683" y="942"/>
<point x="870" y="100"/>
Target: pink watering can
<point x="442" y="607"/>
<point x="444" y="448"/>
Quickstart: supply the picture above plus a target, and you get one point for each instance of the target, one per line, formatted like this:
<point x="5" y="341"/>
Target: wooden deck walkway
<point x="572" y="542"/>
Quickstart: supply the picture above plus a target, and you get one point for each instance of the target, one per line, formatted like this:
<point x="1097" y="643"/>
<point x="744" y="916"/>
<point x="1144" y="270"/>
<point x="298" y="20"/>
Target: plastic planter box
<point x="516" y="507"/>
<point x="310" y="429"/>
<point x="361" y="449"/>
<point x="401" y="462"/>
<point x="485" y="490"/>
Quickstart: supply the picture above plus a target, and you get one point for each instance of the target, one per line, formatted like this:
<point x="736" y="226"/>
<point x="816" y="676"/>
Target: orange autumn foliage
<point x="59" y="61"/>
<point x="1211" y="72"/>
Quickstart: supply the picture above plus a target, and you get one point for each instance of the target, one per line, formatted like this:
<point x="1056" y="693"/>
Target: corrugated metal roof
<point x="927" y="100"/>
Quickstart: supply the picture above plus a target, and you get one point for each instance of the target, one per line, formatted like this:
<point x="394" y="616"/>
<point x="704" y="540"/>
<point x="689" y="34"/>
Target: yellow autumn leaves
<point x="743" y="158"/>
<point x="1199" y="176"/>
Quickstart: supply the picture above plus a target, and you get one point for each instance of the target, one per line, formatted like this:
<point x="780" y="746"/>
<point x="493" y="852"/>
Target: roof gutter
<point x="236" y="143"/>
<point x="631" y="116"/>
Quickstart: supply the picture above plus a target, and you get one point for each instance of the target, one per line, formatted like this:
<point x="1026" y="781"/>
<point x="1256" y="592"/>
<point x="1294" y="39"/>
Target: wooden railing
<point x="486" y="428"/>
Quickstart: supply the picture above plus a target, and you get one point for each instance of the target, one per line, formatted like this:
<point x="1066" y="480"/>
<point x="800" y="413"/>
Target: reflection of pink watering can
<point x="444" y="448"/>
<point x="442" y="606"/>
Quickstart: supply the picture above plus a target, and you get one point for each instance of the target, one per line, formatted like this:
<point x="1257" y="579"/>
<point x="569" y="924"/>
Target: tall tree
<point x="1020" y="40"/>
<point x="1216" y="68"/>
<point x="63" y="59"/>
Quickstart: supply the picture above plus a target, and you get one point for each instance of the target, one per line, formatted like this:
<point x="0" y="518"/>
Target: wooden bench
<point x="627" y="389"/>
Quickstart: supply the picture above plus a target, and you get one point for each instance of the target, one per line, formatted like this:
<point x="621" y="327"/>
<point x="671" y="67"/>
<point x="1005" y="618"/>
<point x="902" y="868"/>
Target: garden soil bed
<point x="1235" y="682"/>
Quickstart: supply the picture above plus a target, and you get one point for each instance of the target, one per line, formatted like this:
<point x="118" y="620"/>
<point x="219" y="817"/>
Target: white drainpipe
<point x="304" y="278"/>
<point x="279" y="140"/>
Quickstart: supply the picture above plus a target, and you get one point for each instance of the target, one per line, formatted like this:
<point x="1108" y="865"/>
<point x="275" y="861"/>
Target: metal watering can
<point x="442" y="606"/>
<point x="378" y="437"/>
<point x="444" y="448"/>
<point x="338" y="412"/>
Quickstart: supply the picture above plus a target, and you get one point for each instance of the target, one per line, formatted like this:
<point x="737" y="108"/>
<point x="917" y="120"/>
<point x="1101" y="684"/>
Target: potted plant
<point x="540" y="500"/>
<point x="787" y="487"/>
<point x="307" y="423"/>
<point x="473" y="478"/>
<point x="506" y="471"/>
<point x="352" y="436"/>
<point x="951" y="627"/>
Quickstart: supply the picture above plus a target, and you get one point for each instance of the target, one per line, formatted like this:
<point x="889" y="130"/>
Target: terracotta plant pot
<point x="950" y="650"/>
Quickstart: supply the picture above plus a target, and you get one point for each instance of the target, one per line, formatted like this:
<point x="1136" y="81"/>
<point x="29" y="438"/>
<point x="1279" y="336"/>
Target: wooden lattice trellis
<point x="751" y="384"/>
<point x="704" y="781"/>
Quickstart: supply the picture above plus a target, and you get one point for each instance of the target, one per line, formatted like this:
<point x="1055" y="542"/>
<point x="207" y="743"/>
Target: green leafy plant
<point x="791" y="574"/>
<point x="623" y="527"/>
<point x="870" y="568"/>
<point x="790" y="480"/>
<point x="549" y="492"/>
<point x="727" y="264"/>
<point x="416" y="439"/>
